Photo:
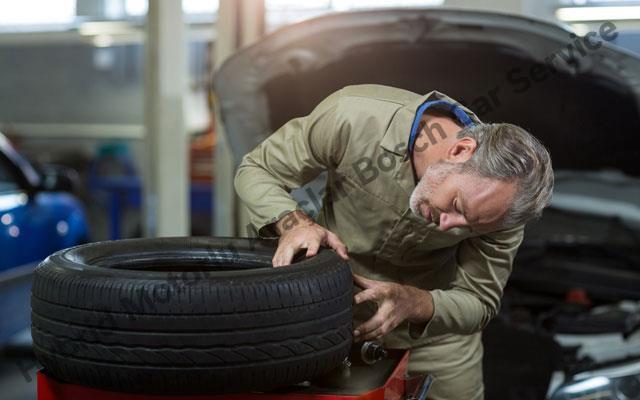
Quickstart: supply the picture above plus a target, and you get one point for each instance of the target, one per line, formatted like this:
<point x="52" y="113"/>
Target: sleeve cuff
<point x="268" y="231"/>
<point x="418" y="331"/>
<point x="263" y="222"/>
<point x="265" y="228"/>
<point x="433" y="327"/>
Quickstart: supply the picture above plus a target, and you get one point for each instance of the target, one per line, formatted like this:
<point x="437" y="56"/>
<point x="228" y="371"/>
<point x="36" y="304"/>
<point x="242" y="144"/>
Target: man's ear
<point x="462" y="150"/>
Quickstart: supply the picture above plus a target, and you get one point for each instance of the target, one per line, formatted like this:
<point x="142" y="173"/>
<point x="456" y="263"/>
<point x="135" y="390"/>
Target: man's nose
<point x="448" y="221"/>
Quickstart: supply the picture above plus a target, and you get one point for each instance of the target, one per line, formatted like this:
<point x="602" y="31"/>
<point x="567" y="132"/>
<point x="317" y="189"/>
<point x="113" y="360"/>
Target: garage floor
<point x="18" y="369"/>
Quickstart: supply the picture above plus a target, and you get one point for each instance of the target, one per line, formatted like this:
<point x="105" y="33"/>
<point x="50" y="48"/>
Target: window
<point x="138" y="8"/>
<point x="283" y="12"/>
<point x="8" y="180"/>
<point x="31" y="14"/>
<point x="344" y="5"/>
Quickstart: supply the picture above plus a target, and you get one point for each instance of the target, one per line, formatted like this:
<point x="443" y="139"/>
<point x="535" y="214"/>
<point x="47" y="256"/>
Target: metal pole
<point x="166" y="182"/>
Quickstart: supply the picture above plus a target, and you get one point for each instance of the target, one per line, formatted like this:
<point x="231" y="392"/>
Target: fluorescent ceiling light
<point x="598" y="13"/>
<point x="105" y="28"/>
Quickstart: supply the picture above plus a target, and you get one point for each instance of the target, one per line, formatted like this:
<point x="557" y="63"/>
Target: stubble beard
<point x="433" y="177"/>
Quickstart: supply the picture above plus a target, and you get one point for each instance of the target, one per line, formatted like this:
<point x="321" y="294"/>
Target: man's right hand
<point x="303" y="234"/>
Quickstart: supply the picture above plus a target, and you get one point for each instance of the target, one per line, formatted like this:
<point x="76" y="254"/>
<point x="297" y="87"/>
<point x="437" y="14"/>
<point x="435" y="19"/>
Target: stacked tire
<point x="189" y="315"/>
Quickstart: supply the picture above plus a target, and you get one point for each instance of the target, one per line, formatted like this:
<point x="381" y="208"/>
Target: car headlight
<point x="621" y="382"/>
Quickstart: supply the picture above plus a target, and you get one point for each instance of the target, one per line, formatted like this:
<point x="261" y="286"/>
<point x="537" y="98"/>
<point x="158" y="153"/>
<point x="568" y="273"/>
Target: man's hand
<point x="303" y="233"/>
<point x="396" y="304"/>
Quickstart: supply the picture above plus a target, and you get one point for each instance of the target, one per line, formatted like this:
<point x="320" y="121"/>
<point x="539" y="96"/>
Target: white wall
<point x="541" y="9"/>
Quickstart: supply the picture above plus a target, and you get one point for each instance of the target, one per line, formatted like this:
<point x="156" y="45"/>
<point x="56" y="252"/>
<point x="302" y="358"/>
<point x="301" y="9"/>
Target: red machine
<point x="384" y="379"/>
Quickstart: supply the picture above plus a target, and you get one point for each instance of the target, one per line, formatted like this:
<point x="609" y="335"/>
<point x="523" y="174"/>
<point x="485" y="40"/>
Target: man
<point x="430" y="204"/>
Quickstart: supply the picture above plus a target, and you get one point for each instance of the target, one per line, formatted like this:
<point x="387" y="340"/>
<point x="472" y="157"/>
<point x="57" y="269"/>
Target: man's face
<point x="451" y="199"/>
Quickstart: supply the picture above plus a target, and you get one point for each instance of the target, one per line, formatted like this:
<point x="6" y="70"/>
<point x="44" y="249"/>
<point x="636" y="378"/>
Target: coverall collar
<point x="397" y="136"/>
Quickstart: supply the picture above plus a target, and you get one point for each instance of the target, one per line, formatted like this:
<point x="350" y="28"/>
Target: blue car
<point x="37" y="218"/>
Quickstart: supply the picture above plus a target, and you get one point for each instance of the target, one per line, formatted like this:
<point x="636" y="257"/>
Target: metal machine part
<point x="371" y="352"/>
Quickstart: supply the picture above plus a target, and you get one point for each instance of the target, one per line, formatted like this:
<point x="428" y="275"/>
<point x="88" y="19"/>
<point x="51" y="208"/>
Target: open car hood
<point x="500" y="66"/>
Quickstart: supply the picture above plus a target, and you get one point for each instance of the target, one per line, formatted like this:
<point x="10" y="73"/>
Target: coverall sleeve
<point x="292" y="156"/>
<point x="483" y="265"/>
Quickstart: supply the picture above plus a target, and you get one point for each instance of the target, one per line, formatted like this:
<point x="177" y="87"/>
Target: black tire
<point x="189" y="315"/>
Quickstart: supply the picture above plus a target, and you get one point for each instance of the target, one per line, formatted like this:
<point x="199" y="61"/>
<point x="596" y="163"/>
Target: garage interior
<point x="126" y="119"/>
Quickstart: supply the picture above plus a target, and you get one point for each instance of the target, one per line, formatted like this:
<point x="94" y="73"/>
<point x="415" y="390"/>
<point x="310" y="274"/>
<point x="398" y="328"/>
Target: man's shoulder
<point x="356" y="104"/>
<point x="380" y="93"/>
<point x="362" y="115"/>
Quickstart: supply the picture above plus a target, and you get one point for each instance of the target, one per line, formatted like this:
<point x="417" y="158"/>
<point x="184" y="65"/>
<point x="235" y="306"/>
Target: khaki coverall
<point x="359" y="135"/>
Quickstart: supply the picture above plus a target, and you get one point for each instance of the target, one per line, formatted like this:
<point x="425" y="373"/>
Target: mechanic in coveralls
<point x="427" y="204"/>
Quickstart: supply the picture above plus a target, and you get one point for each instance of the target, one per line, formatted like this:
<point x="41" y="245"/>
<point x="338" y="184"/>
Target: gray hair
<point x="508" y="152"/>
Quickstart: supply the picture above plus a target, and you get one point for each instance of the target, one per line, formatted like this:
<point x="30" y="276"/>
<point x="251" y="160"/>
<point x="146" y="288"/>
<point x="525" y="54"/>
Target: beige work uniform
<point x="359" y="135"/>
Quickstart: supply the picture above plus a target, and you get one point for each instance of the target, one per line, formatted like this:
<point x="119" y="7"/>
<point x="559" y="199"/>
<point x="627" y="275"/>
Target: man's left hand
<point x="396" y="304"/>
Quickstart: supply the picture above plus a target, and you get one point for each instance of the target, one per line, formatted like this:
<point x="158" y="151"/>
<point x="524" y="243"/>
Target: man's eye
<point x="455" y="206"/>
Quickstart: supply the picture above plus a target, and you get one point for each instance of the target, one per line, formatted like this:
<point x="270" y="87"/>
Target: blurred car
<point x="571" y="307"/>
<point x="38" y="216"/>
<point x="568" y="328"/>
